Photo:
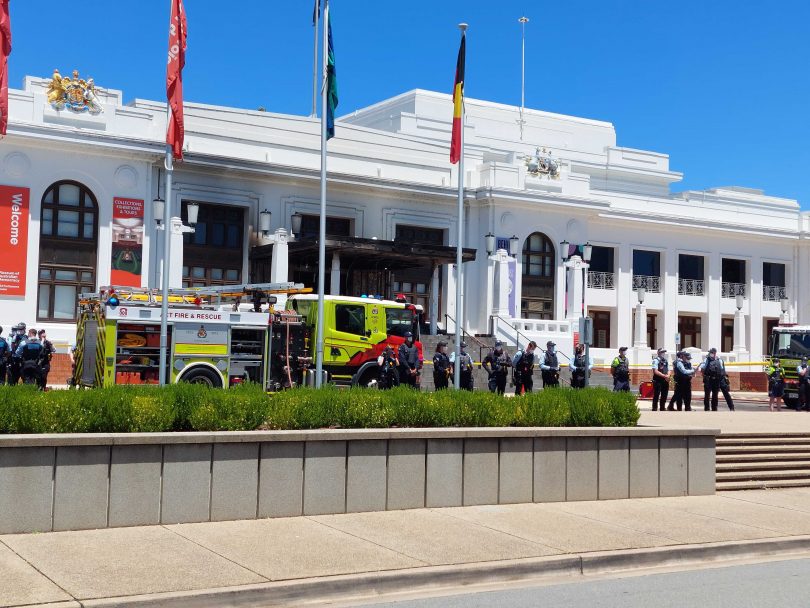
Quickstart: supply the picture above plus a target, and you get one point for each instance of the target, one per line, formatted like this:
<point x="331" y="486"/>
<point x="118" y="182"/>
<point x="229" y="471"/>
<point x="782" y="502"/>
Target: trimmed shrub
<point x="188" y="407"/>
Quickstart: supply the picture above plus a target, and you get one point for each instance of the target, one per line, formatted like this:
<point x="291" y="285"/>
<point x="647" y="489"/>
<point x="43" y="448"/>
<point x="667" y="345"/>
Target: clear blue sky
<point x="721" y="85"/>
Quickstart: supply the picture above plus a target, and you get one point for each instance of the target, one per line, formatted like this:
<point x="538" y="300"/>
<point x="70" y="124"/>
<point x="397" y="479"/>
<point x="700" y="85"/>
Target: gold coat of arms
<point x="77" y="95"/>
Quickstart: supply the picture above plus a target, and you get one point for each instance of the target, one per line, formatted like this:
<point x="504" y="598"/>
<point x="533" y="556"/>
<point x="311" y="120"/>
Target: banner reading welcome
<point x="13" y="240"/>
<point x="127" y="246"/>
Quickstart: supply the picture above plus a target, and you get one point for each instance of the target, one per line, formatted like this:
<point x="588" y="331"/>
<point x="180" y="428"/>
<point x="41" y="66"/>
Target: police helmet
<point x="408" y="334"/>
<point x="687" y="355"/>
<point x="622" y="349"/>
<point x="549" y="344"/>
<point x="661" y="351"/>
<point x="21" y="325"/>
<point x="498" y="343"/>
<point x="712" y="350"/>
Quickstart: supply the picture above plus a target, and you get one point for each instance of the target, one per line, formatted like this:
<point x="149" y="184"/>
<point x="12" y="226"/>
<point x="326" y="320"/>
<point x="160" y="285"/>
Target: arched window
<point x="68" y="232"/>
<point x="539" y="265"/>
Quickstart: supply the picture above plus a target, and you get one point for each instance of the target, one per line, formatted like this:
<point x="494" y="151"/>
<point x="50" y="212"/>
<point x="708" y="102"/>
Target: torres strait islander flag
<point x="458" y="102"/>
<point x="178" y="35"/>
<point x="5" y="49"/>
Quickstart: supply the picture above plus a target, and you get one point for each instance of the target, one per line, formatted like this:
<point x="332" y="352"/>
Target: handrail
<point x="480" y="344"/>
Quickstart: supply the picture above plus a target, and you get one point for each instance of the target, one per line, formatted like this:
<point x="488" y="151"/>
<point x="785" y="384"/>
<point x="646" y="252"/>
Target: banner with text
<point x="127" y="242"/>
<point x="13" y="240"/>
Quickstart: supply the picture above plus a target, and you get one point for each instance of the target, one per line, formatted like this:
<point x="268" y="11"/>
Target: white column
<point x="576" y="287"/>
<point x="739" y="332"/>
<point x="754" y="297"/>
<point x="334" y="283"/>
<point x="670" y="293"/>
<point x="279" y="264"/>
<point x="434" y="300"/>
<point x="625" y="296"/>
<point x="713" y="293"/>
<point x="500" y="302"/>
<point x="176" y="249"/>
<point x="640" y="337"/>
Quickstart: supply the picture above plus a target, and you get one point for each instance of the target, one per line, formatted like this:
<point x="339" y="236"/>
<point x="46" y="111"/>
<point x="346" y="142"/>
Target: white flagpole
<point x="167" y="240"/>
<point x="523" y="21"/>
<point x="315" y="66"/>
<point x="460" y="234"/>
<point x="322" y="231"/>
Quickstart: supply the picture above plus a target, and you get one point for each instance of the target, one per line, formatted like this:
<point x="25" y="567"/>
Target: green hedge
<point x="185" y="407"/>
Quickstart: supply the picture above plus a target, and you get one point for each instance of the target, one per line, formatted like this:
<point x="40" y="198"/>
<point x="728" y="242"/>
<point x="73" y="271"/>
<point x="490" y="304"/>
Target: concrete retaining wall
<point x="72" y="482"/>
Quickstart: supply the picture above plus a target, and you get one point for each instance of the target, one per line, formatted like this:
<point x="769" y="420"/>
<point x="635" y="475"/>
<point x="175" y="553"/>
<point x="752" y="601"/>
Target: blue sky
<point x="721" y="86"/>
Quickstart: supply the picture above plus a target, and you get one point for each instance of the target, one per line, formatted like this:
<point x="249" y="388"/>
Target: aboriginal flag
<point x="458" y="102"/>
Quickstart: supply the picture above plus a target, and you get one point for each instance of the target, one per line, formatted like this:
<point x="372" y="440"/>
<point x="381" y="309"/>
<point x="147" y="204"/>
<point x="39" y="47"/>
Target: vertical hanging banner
<point x="127" y="242"/>
<point x="13" y="240"/>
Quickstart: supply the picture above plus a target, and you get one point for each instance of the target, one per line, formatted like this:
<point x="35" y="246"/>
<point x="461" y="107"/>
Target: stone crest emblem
<point x="77" y="95"/>
<point x="542" y="163"/>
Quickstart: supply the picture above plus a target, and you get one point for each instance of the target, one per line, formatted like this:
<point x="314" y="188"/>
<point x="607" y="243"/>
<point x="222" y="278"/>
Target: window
<point x="773" y="274"/>
<point x="417" y="234"/>
<point x="539" y="267"/>
<point x="335" y="226"/>
<point x="538" y="256"/>
<point x="733" y="271"/>
<point x="212" y="254"/>
<point x="690" y="267"/>
<point x="689" y="328"/>
<point x="601" y="328"/>
<point x="727" y="336"/>
<point x="67" y="249"/>
<point x="602" y="259"/>
<point x="646" y="263"/>
<point x="350" y="318"/>
<point x="398" y="321"/>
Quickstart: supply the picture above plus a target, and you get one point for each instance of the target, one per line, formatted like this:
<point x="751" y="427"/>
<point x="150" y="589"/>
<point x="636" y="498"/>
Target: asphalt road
<point x="784" y="583"/>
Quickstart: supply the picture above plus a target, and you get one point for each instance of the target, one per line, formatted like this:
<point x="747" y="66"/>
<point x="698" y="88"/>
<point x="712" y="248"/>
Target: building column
<point x="334" y="283"/>
<point x="754" y="345"/>
<point x="576" y="288"/>
<point x="670" y="297"/>
<point x="713" y="293"/>
<point x="434" y="300"/>
<point x="279" y="264"/>
<point x="640" y="337"/>
<point x="176" y="252"/>
<point x="500" y="301"/>
<point x="625" y="296"/>
<point x="739" y="332"/>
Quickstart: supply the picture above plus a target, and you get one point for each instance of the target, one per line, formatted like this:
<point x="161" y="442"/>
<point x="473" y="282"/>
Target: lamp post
<point x="514" y="241"/>
<point x="565" y="254"/>
<point x="264" y="222"/>
<point x="489" y="239"/>
<point x="295" y="223"/>
<point x="785" y="304"/>
<point x="739" y="325"/>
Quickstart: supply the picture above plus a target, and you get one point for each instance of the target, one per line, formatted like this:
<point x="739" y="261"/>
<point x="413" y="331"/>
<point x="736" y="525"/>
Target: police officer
<point x="550" y="367"/>
<point x="660" y="367"/>
<point x="714" y="380"/>
<point x="523" y="365"/>
<point x="31" y="354"/>
<point x="17" y="339"/>
<point x="387" y="362"/>
<point x="410" y="365"/>
<point x="580" y="367"/>
<point x="776" y="384"/>
<point x="49" y="350"/>
<point x="620" y="370"/>
<point x="803" y="372"/>
<point x="497" y="364"/>
<point x="465" y="368"/>
<point x="5" y="355"/>
<point x="441" y="367"/>
<point x="683" y="382"/>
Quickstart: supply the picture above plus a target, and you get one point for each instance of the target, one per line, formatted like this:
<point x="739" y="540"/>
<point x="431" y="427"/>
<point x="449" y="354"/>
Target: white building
<point x="392" y="218"/>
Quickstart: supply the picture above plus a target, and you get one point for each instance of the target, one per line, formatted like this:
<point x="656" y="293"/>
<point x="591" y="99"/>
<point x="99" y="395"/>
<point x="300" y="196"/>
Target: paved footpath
<point x="287" y="561"/>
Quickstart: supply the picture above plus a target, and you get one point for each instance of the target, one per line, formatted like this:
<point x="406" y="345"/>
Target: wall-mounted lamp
<point x="158" y="204"/>
<point x="587" y="249"/>
<point x="296" y="221"/>
<point x="565" y="251"/>
<point x="192" y="212"/>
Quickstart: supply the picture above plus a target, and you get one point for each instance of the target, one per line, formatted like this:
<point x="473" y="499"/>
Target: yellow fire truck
<point x="218" y="336"/>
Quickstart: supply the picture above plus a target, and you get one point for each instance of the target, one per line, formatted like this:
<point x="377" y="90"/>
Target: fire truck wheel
<point x="203" y="375"/>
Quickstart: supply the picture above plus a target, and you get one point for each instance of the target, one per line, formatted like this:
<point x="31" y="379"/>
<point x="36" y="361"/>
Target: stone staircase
<point x="763" y="460"/>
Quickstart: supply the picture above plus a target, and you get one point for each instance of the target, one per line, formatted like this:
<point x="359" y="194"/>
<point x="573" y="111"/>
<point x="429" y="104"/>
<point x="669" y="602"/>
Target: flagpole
<point x="523" y="21"/>
<point x="167" y="242"/>
<point x="459" y="238"/>
<point x="322" y="229"/>
<point x="315" y="64"/>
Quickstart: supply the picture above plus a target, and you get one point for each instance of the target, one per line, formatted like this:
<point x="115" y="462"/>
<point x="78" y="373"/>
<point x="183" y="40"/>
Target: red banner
<point x="13" y="240"/>
<point x="127" y="242"/>
<point x="174" y="77"/>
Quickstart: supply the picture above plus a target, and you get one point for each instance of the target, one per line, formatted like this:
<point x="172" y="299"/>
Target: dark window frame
<point x="350" y="318"/>
<point x="767" y="274"/>
<point x="198" y="247"/>
<point x="52" y="282"/>
<point x="655" y="257"/>
<point x="683" y="267"/>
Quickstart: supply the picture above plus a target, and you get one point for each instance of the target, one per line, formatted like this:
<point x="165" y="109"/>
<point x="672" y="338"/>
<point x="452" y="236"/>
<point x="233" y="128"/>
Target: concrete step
<point x="762" y="484"/>
<point x="759" y="458"/>
<point x="723" y="441"/>
<point x="772" y="465"/>
<point x="762" y="475"/>
<point x="764" y="449"/>
<point x="774" y="436"/>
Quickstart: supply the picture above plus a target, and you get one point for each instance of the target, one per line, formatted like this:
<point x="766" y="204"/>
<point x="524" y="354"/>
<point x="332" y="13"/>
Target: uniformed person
<point x="620" y="370"/>
<point x="580" y="367"/>
<point x="497" y="364"/>
<point x="5" y="357"/>
<point x="49" y="350"/>
<point x="660" y="367"/>
<point x="523" y="366"/>
<point x="714" y="380"/>
<point x="387" y="362"/>
<point x="683" y="382"/>
<point x="803" y="372"/>
<point x="410" y="366"/>
<point x="16" y="339"/>
<point x="31" y="354"/>
<point x="776" y="384"/>
<point x="441" y="367"/>
<point x="550" y="367"/>
<point x="465" y="368"/>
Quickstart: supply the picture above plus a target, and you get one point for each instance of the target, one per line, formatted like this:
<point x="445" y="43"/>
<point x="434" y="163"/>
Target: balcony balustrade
<point x="651" y="284"/>
<point x="601" y="280"/>
<point x="691" y="287"/>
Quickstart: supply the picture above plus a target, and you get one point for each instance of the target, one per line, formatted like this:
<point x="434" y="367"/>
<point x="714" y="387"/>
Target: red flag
<point x="178" y="34"/>
<point x="458" y="102"/>
<point x="5" y="48"/>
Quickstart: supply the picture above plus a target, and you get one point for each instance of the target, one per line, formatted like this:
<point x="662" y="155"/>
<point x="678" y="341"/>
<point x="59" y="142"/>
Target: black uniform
<point x="465" y="367"/>
<point x="497" y="366"/>
<point x="683" y="387"/>
<point x="5" y="358"/>
<point x="579" y="369"/>
<point x="804" y="388"/>
<point x="524" y="368"/>
<point x="31" y="355"/>
<point x="441" y="370"/>
<point x="551" y="376"/>
<point x="621" y="373"/>
<point x="15" y="364"/>
<point x="714" y="380"/>
<point x="47" y="355"/>
<point x="408" y="362"/>
<point x="660" y="385"/>
<point x="389" y="376"/>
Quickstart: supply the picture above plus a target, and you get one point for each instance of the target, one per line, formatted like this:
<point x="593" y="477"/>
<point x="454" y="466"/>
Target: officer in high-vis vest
<point x="620" y="370"/>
